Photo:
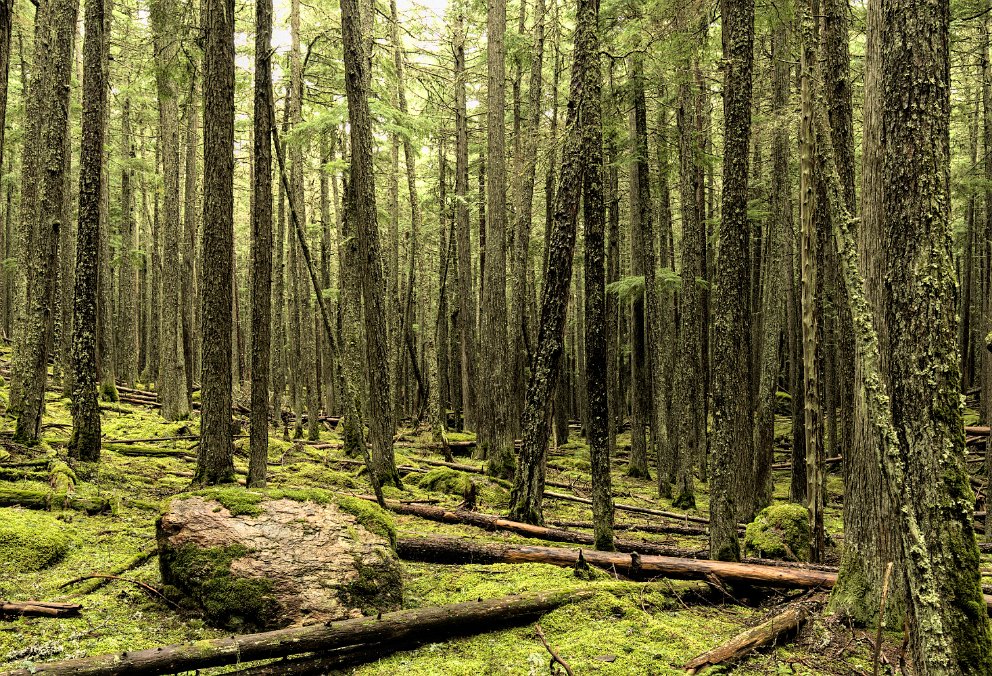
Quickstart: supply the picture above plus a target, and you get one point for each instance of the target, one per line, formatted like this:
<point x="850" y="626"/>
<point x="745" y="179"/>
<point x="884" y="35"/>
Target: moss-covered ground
<point x="629" y="628"/>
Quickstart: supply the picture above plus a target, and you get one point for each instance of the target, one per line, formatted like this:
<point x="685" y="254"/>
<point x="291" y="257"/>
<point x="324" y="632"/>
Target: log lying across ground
<point x="401" y="627"/>
<point x="35" y="499"/>
<point x="631" y="508"/>
<point x="634" y="566"/>
<point x="39" y="608"/>
<point x="492" y="522"/>
<point x="766" y="633"/>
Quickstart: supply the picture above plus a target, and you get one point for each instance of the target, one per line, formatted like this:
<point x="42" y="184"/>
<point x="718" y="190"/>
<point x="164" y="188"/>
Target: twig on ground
<point x="555" y="657"/>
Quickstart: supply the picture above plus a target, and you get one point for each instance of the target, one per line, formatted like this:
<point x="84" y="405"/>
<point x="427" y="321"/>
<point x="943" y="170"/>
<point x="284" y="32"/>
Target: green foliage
<point x="30" y="541"/>
<point x="779" y="532"/>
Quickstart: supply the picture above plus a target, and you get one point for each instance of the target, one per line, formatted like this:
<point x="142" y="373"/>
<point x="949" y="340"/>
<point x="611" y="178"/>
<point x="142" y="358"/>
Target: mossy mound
<point x="446" y="480"/>
<point x="779" y="532"/>
<point x="31" y="541"/>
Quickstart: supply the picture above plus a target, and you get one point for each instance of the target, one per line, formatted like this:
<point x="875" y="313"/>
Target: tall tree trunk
<point x="106" y="359"/>
<point x="641" y="264"/>
<point x="733" y="424"/>
<point x="495" y="440"/>
<point x="811" y="257"/>
<point x="172" y="365"/>
<point x="278" y="300"/>
<point x="191" y="268"/>
<point x="528" y="485"/>
<point x="126" y="349"/>
<point x="687" y="404"/>
<point x="261" y="249"/>
<point x="774" y="284"/>
<point x="56" y="39"/>
<point x="466" y="289"/>
<point x="84" y="443"/>
<point x="215" y="460"/>
<point x="361" y="207"/>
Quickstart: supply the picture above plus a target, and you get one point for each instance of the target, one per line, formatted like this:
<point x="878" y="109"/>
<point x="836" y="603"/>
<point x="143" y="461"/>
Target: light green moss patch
<point x="779" y="532"/>
<point x="30" y="541"/>
<point x="370" y="515"/>
<point x="446" y="480"/>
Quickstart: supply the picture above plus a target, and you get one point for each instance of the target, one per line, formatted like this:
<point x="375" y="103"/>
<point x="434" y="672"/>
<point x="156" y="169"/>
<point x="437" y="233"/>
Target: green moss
<point x="30" y="541"/>
<point x="779" y="532"/>
<point x="379" y="586"/>
<point x="203" y="576"/>
<point x="318" y="474"/>
<point x="446" y="480"/>
<point x="373" y="517"/>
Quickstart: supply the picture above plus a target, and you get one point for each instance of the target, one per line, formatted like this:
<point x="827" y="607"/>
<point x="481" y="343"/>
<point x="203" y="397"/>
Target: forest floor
<point x="632" y="628"/>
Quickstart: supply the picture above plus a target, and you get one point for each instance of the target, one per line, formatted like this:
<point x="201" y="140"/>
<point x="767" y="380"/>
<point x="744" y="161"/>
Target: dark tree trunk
<point x="261" y="251"/>
<point x="56" y="39"/>
<point x="85" y="441"/>
<point x="361" y="207"/>
<point x="127" y="282"/>
<point x="733" y="426"/>
<point x="528" y="486"/>
<point x="215" y="457"/>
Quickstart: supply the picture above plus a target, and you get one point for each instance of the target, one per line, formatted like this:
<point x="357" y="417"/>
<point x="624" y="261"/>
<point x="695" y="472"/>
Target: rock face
<point x="284" y="562"/>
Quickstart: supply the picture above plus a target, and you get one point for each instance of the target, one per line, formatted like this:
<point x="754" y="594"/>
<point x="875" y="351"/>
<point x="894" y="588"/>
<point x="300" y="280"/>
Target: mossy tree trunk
<point x="127" y="290"/>
<point x="361" y="207"/>
<point x="215" y="462"/>
<point x="85" y="441"/>
<point x="261" y="249"/>
<point x="733" y="425"/>
<point x="172" y="365"/>
<point x="55" y="39"/>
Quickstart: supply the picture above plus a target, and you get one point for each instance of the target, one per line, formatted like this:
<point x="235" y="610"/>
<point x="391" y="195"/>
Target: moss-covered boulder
<point x="30" y="541"/>
<point x="268" y="560"/>
<point x="779" y="532"/>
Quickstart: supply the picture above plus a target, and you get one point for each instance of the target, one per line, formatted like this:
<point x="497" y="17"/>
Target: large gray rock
<point x="276" y="561"/>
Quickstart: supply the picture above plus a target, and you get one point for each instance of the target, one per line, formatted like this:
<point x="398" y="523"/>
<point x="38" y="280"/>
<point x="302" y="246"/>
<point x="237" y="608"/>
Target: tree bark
<point x="84" y="443"/>
<point x="733" y="424"/>
<point x="215" y="454"/>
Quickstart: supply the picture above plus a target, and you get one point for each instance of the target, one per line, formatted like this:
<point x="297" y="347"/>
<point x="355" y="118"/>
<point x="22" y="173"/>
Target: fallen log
<point x="631" y="508"/>
<point x="827" y="461"/>
<point x="420" y="624"/>
<point x="492" y="522"/>
<point x="34" y="499"/>
<point x="326" y="661"/>
<point x="634" y="565"/>
<point x="642" y="527"/>
<point x="766" y="633"/>
<point x="152" y="440"/>
<point x="977" y="430"/>
<point x="39" y="608"/>
<point x="149" y="451"/>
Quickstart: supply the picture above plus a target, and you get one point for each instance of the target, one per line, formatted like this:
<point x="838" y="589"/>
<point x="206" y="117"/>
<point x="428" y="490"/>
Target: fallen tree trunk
<point x="34" y="499"/>
<point x="492" y="522"/>
<point x="766" y="633"/>
<point x="634" y="565"/>
<point x="92" y="585"/>
<point x="644" y="527"/>
<point x="420" y="624"/>
<point x="631" y="508"/>
<point x="39" y="608"/>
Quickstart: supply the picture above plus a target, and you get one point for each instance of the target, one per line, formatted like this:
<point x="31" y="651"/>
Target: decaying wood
<point x="766" y="633"/>
<point x="554" y="655"/>
<point x="492" y="522"/>
<point x="108" y="578"/>
<point x="35" y="499"/>
<point x="631" y="508"/>
<point x="636" y="566"/>
<point x="39" y="608"/>
<point x="420" y="624"/>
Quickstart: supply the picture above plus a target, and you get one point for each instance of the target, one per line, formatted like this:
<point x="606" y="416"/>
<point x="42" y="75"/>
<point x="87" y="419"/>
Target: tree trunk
<point x="172" y="364"/>
<point x="55" y="38"/>
<point x="85" y="441"/>
<point x="216" y="452"/>
<point x="733" y="424"/>
<point x="261" y="250"/>
<point x="361" y="207"/>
